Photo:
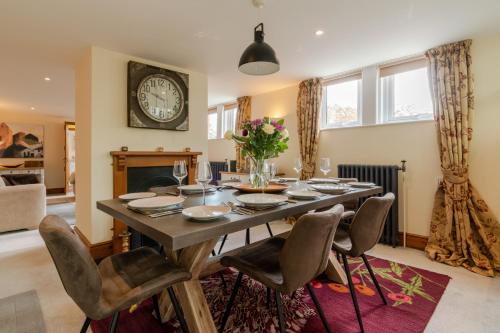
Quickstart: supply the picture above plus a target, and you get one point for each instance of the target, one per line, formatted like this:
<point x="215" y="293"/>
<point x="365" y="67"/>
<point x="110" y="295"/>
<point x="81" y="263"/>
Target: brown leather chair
<point x="288" y="264"/>
<point x="361" y="235"/>
<point x="118" y="282"/>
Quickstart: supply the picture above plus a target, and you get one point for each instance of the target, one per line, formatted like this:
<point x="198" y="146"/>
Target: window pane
<point x="229" y="120"/>
<point x="212" y="125"/>
<point x="342" y="103"/>
<point x="411" y="97"/>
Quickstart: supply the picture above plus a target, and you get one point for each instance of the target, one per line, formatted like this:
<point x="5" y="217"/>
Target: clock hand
<point x="158" y="96"/>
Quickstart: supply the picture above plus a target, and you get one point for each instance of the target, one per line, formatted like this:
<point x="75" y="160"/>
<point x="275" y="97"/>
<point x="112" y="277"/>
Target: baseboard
<point x="99" y="250"/>
<point x="55" y="190"/>
<point x="413" y="241"/>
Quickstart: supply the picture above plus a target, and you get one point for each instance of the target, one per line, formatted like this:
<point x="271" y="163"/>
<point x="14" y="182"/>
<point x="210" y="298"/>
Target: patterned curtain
<point x="308" y="110"/>
<point x="464" y="232"/>
<point x="244" y="114"/>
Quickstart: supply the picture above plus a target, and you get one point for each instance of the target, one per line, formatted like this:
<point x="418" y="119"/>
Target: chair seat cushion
<point x="130" y="277"/>
<point x="342" y="242"/>
<point x="260" y="261"/>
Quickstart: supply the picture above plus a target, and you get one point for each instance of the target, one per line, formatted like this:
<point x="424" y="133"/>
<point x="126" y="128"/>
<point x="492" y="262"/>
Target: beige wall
<point x="102" y="127"/>
<point x="414" y="142"/>
<point x="220" y="150"/>
<point x="53" y="143"/>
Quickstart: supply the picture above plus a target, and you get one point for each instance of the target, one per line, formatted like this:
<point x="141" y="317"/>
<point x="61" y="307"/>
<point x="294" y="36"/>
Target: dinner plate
<point x="271" y="188"/>
<point x="196" y="188"/>
<point x="330" y="189"/>
<point x="361" y="184"/>
<point x="137" y="195"/>
<point x="304" y="194"/>
<point x="289" y="179"/>
<point x="323" y="180"/>
<point x="261" y="199"/>
<point x="206" y="213"/>
<point x="155" y="202"/>
<point x="231" y="184"/>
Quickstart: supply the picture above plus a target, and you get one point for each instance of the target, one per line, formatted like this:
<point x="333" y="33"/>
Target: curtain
<point x="308" y="110"/>
<point x="464" y="232"/>
<point x="244" y="113"/>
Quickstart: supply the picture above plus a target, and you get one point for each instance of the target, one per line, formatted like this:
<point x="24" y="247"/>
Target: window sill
<point x="405" y="122"/>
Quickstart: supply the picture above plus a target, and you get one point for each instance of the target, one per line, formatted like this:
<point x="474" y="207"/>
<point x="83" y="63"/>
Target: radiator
<point x="387" y="177"/>
<point x="217" y="167"/>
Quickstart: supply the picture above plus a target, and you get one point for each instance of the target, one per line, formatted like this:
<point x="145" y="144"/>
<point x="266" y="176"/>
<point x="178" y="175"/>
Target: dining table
<point x="189" y="243"/>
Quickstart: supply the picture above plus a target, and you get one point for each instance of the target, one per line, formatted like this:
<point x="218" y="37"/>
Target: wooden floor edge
<point x="98" y="251"/>
<point x="413" y="241"/>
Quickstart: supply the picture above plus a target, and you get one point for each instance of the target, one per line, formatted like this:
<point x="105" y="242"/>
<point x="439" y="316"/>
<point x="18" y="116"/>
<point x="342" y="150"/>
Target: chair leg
<point x="353" y="292"/>
<point x="177" y="309"/>
<point x="247" y="237"/>
<point x="230" y="302"/>
<point x="224" y="285"/>
<point x="269" y="229"/>
<point x="318" y="307"/>
<point x="86" y="325"/>
<point x="374" y="279"/>
<point x="222" y="244"/>
<point x="279" y="307"/>
<point x="114" y="322"/>
<point x="157" y="308"/>
<point x="213" y="253"/>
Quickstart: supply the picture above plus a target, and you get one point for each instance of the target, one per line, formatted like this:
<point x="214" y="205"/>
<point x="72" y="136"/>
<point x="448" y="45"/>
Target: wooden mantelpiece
<point x="122" y="160"/>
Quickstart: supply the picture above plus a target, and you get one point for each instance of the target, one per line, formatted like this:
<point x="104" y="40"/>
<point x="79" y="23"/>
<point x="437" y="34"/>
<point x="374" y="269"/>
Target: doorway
<point x="69" y="158"/>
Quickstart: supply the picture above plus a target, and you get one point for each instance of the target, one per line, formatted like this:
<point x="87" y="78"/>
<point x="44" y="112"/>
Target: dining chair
<point x="285" y="265"/>
<point x="118" y="282"/>
<point x="361" y="235"/>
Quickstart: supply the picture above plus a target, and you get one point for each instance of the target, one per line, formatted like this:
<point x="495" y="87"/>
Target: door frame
<point x="68" y="126"/>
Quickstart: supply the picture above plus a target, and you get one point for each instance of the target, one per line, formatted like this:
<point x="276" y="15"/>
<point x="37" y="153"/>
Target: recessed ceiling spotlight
<point x="32" y="108"/>
<point x="319" y="32"/>
<point x="46" y="78"/>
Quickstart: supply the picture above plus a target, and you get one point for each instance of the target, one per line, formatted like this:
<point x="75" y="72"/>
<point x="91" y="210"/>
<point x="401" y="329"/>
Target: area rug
<point x="412" y="296"/>
<point x="21" y="313"/>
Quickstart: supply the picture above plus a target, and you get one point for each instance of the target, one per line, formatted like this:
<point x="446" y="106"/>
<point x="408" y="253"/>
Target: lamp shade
<point x="259" y="58"/>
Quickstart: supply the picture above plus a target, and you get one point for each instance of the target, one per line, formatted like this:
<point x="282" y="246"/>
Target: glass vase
<point x="257" y="176"/>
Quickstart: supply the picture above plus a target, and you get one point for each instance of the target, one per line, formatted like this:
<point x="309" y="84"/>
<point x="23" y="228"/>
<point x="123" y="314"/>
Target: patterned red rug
<point x="412" y="295"/>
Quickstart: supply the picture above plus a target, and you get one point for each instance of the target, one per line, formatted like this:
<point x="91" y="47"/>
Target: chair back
<point x="368" y="223"/>
<point x="77" y="270"/>
<point x="306" y="251"/>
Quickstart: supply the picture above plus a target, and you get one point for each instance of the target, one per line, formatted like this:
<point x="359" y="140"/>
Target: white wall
<point x="220" y="150"/>
<point x="53" y="143"/>
<point x="414" y="142"/>
<point x="105" y="119"/>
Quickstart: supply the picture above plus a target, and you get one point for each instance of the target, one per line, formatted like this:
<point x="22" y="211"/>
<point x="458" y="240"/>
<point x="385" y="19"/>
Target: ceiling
<point x="46" y="38"/>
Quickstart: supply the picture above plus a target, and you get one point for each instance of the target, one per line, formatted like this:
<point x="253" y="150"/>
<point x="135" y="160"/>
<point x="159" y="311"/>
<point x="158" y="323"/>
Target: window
<point x="212" y="124"/>
<point x="342" y="103"/>
<point x="404" y="93"/>
<point x="221" y="118"/>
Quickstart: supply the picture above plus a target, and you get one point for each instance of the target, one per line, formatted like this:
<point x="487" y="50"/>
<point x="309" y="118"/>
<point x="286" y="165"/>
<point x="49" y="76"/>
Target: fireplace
<point x="135" y="171"/>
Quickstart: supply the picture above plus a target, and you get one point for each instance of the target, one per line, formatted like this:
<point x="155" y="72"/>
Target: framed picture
<point x="21" y="140"/>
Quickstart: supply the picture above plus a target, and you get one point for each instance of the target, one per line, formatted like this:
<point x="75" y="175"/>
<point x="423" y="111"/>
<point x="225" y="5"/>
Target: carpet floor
<point x="412" y="296"/>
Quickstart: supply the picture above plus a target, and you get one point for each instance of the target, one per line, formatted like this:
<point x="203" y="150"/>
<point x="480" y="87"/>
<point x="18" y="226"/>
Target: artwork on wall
<point x="21" y="140"/>
<point x="157" y="98"/>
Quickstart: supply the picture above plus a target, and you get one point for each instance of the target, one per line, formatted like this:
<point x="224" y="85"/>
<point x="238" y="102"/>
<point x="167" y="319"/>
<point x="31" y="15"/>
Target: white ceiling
<point x="45" y="38"/>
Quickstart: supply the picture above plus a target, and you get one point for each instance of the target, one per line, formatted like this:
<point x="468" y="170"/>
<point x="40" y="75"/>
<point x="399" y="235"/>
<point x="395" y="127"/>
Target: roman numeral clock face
<point x="160" y="98"/>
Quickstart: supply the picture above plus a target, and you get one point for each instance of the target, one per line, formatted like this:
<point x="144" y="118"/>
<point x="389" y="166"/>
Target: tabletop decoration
<point x="260" y="139"/>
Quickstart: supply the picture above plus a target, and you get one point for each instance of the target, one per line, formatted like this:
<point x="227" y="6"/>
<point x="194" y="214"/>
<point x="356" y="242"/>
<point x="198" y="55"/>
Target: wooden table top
<point x="176" y="232"/>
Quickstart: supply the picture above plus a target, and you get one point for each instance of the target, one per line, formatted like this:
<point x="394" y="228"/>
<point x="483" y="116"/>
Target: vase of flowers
<point x="260" y="139"/>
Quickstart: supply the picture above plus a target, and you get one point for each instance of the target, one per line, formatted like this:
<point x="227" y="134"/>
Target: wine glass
<point x="324" y="165"/>
<point x="266" y="175"/>
<point x="272" y="169"/>
<point x="297" y="166"/>
<point x="203" y="175"/>
<point x="180" y="172"/>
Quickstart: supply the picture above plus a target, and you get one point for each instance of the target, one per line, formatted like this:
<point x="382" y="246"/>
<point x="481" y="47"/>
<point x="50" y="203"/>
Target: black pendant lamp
<point x="259" y="58"/>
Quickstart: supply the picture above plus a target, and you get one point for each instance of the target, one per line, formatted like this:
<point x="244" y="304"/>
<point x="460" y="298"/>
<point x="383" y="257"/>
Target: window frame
<point x="220" y="110"/>
<point x="353" y="76"/>
<point x="214" y="111"/>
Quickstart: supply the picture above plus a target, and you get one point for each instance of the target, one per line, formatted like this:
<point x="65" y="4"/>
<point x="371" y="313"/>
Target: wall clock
<point x="157" y="98"/>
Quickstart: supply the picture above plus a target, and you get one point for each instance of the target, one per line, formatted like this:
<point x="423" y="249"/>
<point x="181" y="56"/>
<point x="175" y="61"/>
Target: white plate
<point x="303" y="194"/>
<point x="196" y="188"/>
<point x="156" y="202"/>
<point x="289" y="179"/>
<point x="137" y="195"/>
<point x="261" y="199"/>
<point x="330" y="189"/>
<point x="231" y="184"/>
<point x="323" y="180"/>
<point x="205" y="213"/>
<point x="361" y="184"/>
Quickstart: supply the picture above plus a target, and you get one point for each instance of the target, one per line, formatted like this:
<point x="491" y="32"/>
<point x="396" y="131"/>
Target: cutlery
<point x="168" y="212"/>
<point x="239" y="210"/>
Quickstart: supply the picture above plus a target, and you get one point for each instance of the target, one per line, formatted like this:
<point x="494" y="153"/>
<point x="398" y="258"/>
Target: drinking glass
<point x="297" y="166"/>
<point x="273" y="169"/>
<point x="266" y="174"/>
<point x="324" y="165"/>
<point x="180" y="172"/>
<point x="203" y="175"/>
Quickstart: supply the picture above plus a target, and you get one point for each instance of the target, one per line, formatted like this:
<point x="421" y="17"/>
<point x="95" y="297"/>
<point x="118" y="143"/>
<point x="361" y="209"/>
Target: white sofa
<point x="22" y="206"/>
